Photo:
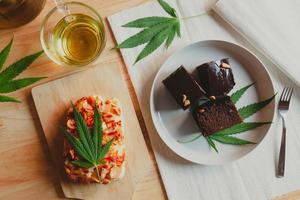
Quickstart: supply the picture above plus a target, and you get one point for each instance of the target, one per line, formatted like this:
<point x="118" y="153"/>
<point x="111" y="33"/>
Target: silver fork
<point x="283" y="108"/>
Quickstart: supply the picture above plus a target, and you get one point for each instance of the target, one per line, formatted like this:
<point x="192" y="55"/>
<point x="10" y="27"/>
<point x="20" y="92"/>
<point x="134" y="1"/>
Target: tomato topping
<point x="115" y="111"/>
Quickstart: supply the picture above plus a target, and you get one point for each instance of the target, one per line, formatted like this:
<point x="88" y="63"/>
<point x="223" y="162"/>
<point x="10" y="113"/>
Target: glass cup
<point x="14" y="13"/>
<point x="73" y="34"/>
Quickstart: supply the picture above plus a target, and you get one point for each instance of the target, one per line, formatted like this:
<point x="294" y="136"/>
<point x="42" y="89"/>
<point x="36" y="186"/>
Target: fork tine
<point x="291" y="92"/>
<point x="286" y="94"/>
<point x="283" y="94"/>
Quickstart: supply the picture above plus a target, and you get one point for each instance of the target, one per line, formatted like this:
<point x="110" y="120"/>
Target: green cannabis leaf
<point x="211" y="143"/>
<point x="226" y="139"/>
<point x="239" y="93"/>
<point x="8" y="99"/>
<point x="18" y="84"/>
<point x="157" y="30"/>
<point x="147" y="22"/>
<point x="4" y="53"/>
<point x="7" y="82"/>
<point x="235" y="129"/>
<point x="225" y="136"/>
<point x="171" y="11"/>
<point x="242" y="127"/>
<point x="249" y="110"/>
<point x="88" y="145"/>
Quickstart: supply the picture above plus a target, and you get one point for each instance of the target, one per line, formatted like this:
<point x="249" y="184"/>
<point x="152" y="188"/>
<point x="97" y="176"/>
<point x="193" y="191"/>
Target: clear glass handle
<point x="60" y="4"/>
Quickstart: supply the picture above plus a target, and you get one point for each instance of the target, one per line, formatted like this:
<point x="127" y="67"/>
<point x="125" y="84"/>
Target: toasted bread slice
<point x="113" y="165"/>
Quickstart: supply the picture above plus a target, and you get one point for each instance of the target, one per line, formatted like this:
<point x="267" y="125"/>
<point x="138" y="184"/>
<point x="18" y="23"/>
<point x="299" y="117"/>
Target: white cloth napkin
<point x="272" y="26"/>
<point x="250" y="178"/>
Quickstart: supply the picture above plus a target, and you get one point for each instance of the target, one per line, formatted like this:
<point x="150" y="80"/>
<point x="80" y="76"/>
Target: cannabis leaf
<point x="88" y="145"/>
<point x="239" y="93"/>
<point x="4" y="53"/>
<point x="7" y="81"/>
<point x="249" y="110"/>
<point x="8" y="99"/>
<point x="235" y="129"/>
<point x="226" y="139"/>
<point x="18" y="67"/>
<point x="225" y="136"/>
<point x="153" y="44"/>
<point x="242" y="127"/>
<point x="171" y="11"/>
<point x="211" y="143"/>
<point x="14" y="85"/>
<point x="147" y="22"/>
<point x="171" y="37"/>
<point x="157" y="30"/>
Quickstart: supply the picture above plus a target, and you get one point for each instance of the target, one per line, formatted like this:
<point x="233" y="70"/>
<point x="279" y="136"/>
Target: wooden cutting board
<point x="52" y="100"/>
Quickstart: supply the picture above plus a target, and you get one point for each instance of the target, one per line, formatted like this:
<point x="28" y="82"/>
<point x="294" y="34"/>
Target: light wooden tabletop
<point x="26" y="171"/>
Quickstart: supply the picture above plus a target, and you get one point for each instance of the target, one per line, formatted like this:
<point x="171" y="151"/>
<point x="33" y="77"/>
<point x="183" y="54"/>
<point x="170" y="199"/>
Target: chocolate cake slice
<point x="216" y="77"/>
<point x="184" y="89"/>
<point x="216" y="115"/>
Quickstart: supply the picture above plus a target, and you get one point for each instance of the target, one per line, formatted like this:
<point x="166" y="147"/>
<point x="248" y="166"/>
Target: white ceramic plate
<point x="173" y="124"/>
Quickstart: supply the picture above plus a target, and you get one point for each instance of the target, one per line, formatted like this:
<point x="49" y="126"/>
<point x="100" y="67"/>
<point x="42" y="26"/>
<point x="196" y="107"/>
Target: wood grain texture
<point x="52" y="101"/>
<point x="21" y="136"/>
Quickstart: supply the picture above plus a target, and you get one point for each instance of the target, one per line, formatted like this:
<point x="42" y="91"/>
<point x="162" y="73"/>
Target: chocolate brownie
<point x="216" y="114"/>
<point x="183" y="87"/>
<point x="216" y="77"/>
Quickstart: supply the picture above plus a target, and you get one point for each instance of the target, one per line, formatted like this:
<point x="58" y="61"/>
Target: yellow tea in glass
<point x="73" y="35"/>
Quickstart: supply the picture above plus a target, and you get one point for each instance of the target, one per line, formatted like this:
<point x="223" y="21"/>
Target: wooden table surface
<point x="22" y="143"/>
